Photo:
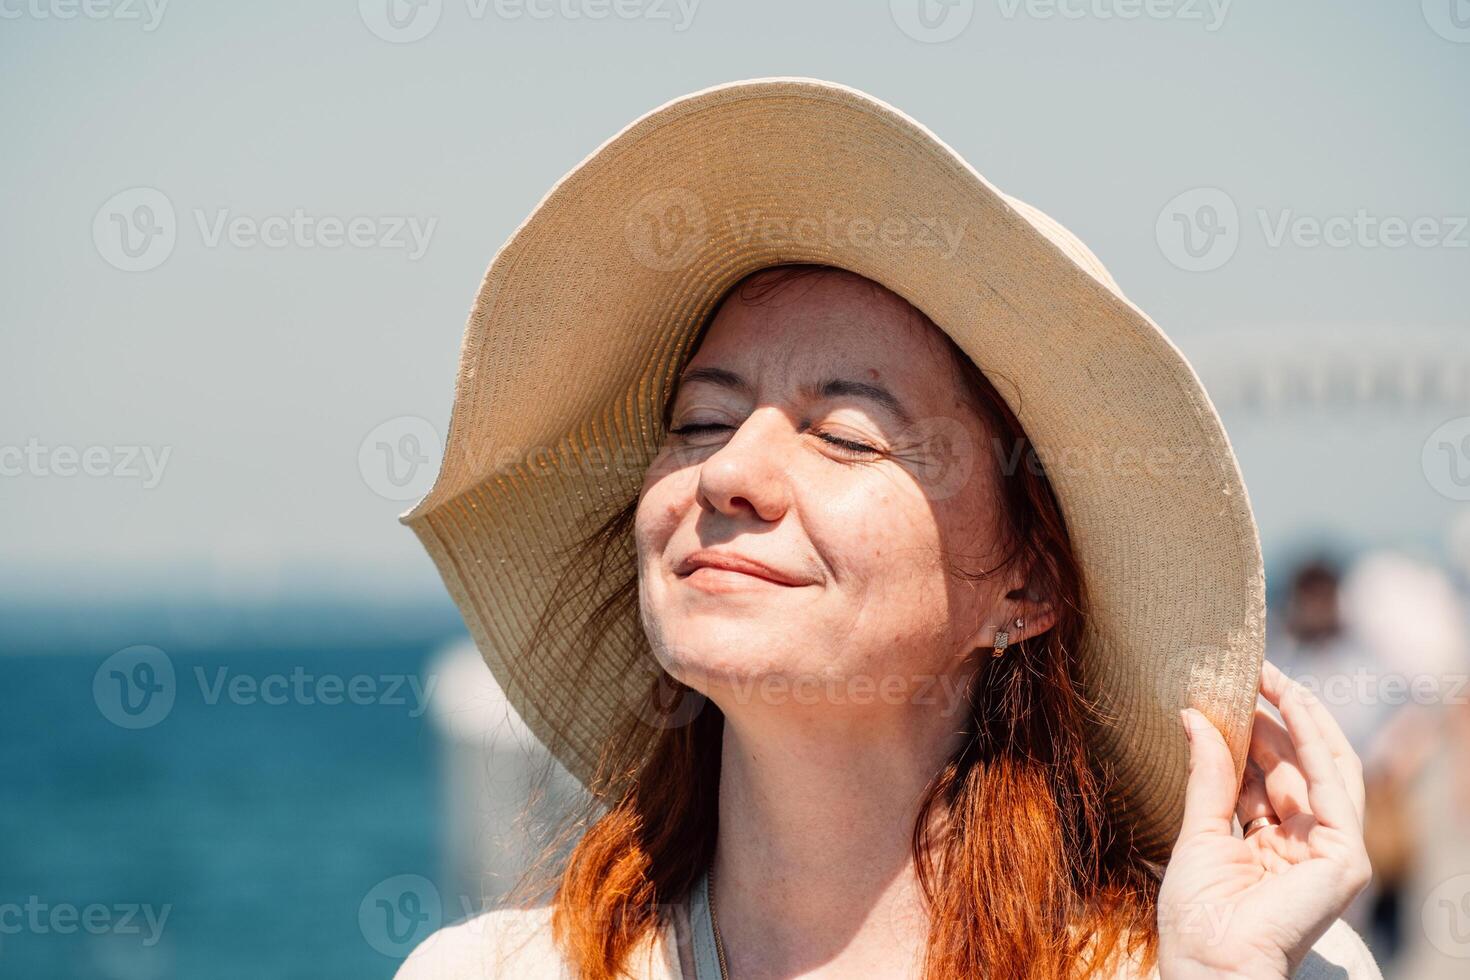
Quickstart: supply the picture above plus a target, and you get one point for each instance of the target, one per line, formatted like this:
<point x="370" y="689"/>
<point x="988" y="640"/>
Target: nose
<point x="750" y="473"/>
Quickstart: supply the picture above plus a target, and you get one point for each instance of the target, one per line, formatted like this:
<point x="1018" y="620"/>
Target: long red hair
<point x="1032" y="875"/>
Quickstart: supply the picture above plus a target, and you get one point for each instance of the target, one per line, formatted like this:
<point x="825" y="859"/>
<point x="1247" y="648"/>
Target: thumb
<point x="1209" y="796"/>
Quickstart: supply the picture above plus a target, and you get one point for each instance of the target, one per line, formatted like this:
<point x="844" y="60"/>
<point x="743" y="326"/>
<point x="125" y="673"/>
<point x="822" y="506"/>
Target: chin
<point x="730" y="653"/>
<point x="741" y="665"/>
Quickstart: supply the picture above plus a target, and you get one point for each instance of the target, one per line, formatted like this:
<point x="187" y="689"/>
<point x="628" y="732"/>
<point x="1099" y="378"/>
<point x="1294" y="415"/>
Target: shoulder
<point x="499" y="943"/>
<point x="1340" y="954"/>
<point x="515" y="942"/>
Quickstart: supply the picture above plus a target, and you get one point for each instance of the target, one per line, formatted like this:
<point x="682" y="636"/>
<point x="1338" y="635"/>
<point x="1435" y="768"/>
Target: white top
<point x="517" y="943"/>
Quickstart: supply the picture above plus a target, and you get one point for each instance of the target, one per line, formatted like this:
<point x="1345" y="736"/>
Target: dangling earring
<point x="1003" y="638"/>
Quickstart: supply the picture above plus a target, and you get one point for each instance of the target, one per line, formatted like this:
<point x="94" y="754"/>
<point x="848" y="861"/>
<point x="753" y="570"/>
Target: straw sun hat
<point x="591" y="307"/>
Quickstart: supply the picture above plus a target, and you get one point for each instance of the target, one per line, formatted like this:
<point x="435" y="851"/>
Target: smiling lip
<point x="735" y="563"/>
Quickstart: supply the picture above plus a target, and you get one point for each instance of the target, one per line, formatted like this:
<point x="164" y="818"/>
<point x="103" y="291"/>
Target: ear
<point x="1038" y="615"/>
<point x="1023" y="602"/>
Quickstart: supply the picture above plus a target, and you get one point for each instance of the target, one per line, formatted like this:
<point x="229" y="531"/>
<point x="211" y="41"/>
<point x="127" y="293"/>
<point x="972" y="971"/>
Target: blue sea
<point x="241" y="831"/>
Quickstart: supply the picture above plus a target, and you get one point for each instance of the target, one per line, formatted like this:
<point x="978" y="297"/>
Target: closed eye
<point x="847" y="445"/>
<point x="693" y="427"/>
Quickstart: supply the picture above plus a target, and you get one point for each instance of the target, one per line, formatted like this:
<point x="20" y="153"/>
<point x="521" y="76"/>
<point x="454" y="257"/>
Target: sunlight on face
<point x="819" y="436"/>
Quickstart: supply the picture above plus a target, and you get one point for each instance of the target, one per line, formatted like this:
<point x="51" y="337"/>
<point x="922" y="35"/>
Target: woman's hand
<point x="1254" y="907"/>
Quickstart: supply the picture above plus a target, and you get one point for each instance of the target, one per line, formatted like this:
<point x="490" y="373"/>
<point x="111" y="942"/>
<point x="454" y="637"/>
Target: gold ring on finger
<point x="1258" y="823"/>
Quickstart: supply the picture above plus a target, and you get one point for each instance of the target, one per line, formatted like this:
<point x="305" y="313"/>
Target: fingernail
<point x="1188" y="728"/>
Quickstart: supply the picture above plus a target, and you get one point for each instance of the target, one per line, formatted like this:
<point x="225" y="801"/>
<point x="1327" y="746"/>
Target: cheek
<point x="884" y="549"/>
<point x="969" y="529"/>
<point x="893" y="549"/>
<point x="877" y="526"/>
<point x="970" y="525"/>
<point x="663" y="500"/>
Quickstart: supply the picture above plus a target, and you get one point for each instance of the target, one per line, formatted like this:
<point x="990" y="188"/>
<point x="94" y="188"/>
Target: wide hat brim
<point x="591" y="306"/>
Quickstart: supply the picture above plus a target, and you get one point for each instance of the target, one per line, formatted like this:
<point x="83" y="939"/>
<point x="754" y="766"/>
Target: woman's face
<point x="766" y="461"/>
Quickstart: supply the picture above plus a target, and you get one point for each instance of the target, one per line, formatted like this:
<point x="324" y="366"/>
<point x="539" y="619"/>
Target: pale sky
<point x="221" y="395"/>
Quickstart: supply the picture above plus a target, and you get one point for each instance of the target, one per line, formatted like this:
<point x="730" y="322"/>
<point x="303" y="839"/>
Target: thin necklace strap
<point x="702" y="928"/>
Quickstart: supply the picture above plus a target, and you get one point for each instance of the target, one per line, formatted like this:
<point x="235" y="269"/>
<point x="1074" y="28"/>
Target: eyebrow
<point x="831" y="388"/>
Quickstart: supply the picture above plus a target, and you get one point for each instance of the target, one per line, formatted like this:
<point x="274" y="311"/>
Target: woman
<point x="835" y="519"/>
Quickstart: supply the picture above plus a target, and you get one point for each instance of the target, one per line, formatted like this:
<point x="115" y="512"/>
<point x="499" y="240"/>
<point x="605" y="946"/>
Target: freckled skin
<point x="867" y="529"/>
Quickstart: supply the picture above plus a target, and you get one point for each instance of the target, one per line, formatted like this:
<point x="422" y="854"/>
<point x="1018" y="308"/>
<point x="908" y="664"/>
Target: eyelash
<point x="847" y="445"/>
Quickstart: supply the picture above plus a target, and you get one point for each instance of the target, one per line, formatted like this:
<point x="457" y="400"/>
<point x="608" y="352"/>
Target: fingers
<point x="1273" y="677"/>
<point x="1331" y="802"/>
<point x="1254" y="800"/>
<point x="1209" y="796"/>
<point x="1273" y="683"/>
<point x="1281" y="776"/>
